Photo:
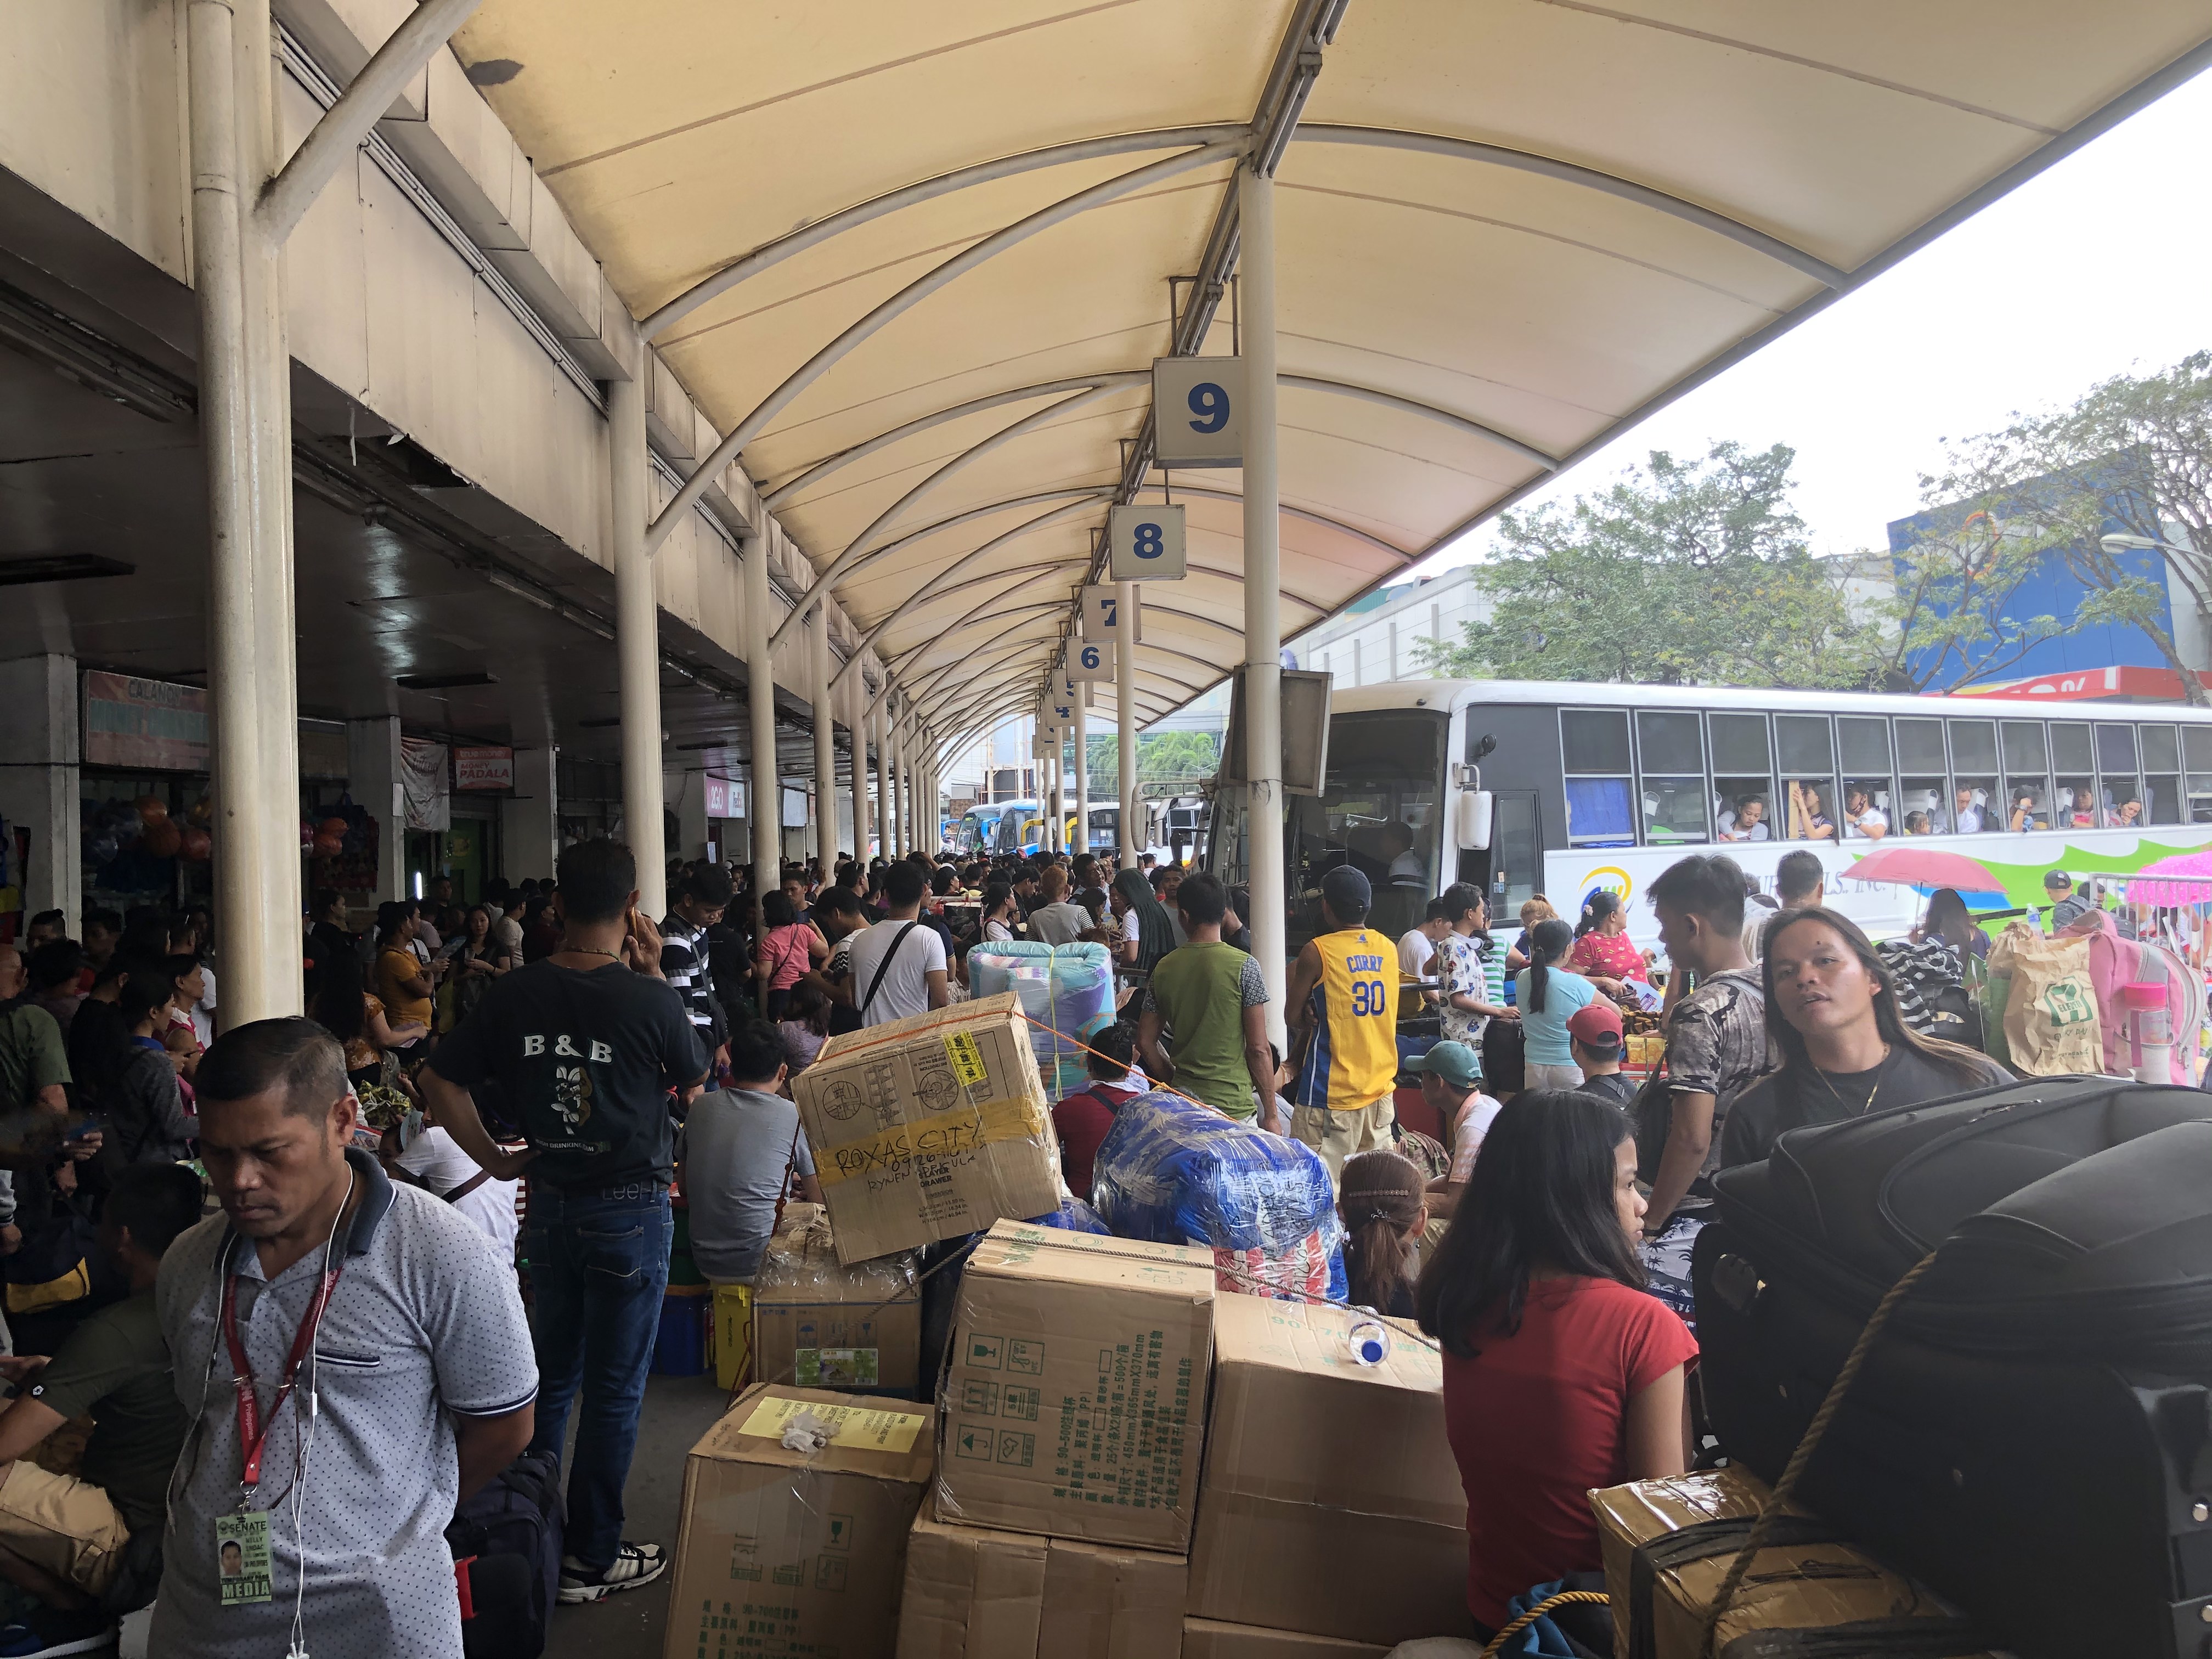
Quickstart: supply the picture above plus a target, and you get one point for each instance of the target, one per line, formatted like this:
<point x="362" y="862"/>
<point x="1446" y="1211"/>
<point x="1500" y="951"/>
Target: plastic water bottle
<point x="1369" y="1339"/>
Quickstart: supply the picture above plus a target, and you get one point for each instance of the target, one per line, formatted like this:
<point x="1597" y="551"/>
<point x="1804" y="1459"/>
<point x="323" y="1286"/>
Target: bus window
<point x="2119" y="801"/>
<point x="1743" y="777"/>
<point x="1517" y="861"/>
<point x="1977" y="802"/>
<point x="2162" y="762"/>
<point x="1594" y="755"/>
<point x="1806" y="751"/>
<point x="2074" y="800"/>
<point x="1672" y="753"/>
<point x="1869" y="804"/>
<point x="2197" y="771"/>
<point x="2027" y="775"/>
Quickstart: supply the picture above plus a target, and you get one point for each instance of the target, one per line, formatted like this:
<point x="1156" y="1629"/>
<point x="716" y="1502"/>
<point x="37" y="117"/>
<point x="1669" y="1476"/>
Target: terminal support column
<point x="1082" y="772"/>
<point x="765" y="799"/>
<point x="825" y="744"/>
<point x="1125" y="717"/>
<point x="637" y="644"/>
<point x="1263" y="628"/>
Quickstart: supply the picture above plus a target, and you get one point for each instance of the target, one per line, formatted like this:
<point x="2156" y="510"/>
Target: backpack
<point x="506" y="1542"/>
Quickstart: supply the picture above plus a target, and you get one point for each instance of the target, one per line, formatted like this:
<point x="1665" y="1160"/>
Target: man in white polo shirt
<point x="354" y="1360"/>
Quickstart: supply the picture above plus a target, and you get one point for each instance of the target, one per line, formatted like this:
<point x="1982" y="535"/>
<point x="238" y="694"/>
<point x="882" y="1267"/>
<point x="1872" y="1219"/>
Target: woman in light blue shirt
<point x="1548" y="998"/>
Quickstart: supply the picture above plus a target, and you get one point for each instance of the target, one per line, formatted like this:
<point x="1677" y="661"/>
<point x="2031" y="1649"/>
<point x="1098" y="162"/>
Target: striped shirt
<point x="683" y="965"/>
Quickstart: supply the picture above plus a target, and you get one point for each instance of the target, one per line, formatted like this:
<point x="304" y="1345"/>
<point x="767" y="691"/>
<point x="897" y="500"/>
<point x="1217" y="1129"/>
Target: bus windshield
<point x="1380" y="814"/>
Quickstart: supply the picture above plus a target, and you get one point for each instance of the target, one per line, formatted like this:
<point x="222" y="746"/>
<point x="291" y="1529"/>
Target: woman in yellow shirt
<point x="402" y="982"/>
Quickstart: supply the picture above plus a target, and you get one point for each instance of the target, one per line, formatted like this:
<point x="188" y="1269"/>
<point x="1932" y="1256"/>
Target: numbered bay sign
<point x="1145" y="544"/>
<point x="1088" y="660"/>
<point x="1198" y="412"/>
<point x="1102" y="616"/>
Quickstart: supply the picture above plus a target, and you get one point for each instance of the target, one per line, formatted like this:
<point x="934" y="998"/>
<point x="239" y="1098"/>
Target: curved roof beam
<point x="1489" y="434"/>
<point x="953" y="569"/>
<point x="748" y="266"/>
<point x="975" y="616"/>
<point x="1310" y="517"/>
<point x="1084" y="492"/>
<point x="944" y="696"/>
<point x="934" y="697"/>
<point x="1239" y="576"/>
<point x="925" y="679"/>
<point x="856" y="550"/>
<point x="829" y="464"/>
<point x="911" y="295"/>
<point x="1468" y="149"/>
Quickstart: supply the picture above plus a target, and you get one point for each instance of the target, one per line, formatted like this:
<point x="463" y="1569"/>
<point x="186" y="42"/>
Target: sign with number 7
<point x="1103" y="618"/>
<point x="1145" y="544"/>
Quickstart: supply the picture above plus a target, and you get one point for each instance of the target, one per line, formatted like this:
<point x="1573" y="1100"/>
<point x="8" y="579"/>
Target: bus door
<point x="1509" y="871"/>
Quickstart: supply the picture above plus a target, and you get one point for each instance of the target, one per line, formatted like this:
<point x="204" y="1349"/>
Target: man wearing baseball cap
<point x="1342" y="1010"/>
<point x="1451" y="1083"/>
<point x="2066" y="906"/>
<point x="1595" y="1039"/>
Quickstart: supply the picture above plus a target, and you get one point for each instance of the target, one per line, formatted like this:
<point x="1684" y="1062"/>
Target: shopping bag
<point x="2051" y="1021"/>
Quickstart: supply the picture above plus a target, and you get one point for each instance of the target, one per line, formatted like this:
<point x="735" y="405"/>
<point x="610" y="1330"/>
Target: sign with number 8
<point x="1145" y="543"/>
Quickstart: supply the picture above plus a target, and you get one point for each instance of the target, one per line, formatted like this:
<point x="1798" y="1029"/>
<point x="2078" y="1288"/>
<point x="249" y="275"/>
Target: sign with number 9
<point x="1199" y="404"/>
<point x="1145" y="544"/>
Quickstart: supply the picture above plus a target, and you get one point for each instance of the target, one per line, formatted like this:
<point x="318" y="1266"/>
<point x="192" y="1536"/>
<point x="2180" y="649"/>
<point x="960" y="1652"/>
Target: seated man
<point x="736" y="1155"/>
<point x="62" y="1537"/>
<point x="1451" y="1083"/>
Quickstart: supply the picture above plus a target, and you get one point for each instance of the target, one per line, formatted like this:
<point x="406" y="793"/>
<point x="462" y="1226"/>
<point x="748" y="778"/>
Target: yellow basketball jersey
<point x="1353" y="1060"/>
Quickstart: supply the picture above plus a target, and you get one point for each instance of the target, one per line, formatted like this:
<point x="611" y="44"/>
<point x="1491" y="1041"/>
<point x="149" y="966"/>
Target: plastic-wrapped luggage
<point x="2031" y="1433"/>
<point x="1073" y="1216"/>
<point x="1062" y="988"/>
<point x="1174" y="1172"/>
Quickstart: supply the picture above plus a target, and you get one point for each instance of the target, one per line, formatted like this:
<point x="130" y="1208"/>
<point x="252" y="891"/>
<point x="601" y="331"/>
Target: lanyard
<point x="252" y="1432"/>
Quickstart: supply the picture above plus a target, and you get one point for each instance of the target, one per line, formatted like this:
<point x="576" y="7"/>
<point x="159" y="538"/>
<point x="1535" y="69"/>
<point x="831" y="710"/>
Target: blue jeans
<point x="598" y="1266"/>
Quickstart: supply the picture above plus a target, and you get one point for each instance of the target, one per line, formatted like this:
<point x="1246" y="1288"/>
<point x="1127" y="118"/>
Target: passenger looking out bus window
<point x="1809" y="814"/>
<point x="1915" y="824"/>
<point x="1746" y="821"/>
<point x="2125" y="816"/>
<point x="1863" y="819"/>
<point x="1967" y="816"/>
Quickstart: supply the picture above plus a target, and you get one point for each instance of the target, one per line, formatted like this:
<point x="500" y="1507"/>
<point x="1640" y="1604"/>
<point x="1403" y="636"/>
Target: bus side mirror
<point x="1474" y="826"/>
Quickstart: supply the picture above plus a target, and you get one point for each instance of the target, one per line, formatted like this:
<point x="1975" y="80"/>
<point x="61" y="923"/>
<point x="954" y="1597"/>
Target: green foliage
<point x="1687" y="572"/>
<point x="1953" y="619"/>
<point x="1165" y="758"/>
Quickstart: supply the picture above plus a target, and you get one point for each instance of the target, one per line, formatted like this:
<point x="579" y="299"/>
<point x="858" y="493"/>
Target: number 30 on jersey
<point x="1145" y="544"/>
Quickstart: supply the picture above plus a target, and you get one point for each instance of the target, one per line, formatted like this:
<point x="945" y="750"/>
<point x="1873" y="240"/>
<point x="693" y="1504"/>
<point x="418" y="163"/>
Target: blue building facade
<point x="2053" y="590"/>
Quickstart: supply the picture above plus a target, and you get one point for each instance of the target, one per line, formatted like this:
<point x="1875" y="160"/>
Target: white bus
<point x="1594" y="786"/>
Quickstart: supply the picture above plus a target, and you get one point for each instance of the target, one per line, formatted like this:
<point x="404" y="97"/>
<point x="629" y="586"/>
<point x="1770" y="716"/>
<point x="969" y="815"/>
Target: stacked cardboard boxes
<point x="789" y="1545"/>
<point x="821" y="1324"/>
<point x="1069" y="1448"/>
<point x="1313" y="1457"/>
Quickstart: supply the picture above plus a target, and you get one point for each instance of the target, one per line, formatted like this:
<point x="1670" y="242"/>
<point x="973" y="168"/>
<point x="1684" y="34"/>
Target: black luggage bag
<point x="2032" y="1431"/>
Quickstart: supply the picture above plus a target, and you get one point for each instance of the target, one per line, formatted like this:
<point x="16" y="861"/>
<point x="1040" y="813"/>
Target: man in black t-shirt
<point x="586" y="1046"/>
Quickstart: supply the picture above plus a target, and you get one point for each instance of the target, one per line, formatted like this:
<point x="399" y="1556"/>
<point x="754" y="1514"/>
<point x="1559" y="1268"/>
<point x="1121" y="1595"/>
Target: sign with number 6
<point x="1198" y="412"/>
<point x="1087" y="661"/>
<point x="1145" y="544"/>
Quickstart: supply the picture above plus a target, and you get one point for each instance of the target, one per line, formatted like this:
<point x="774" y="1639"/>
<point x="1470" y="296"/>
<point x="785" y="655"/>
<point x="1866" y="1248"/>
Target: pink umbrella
<point x="1918" y="867"/>
<point x="2185" y="878"/>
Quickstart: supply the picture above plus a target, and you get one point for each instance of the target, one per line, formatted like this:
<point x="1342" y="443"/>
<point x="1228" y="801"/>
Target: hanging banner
<point x="423" y="784"/>
<point x="1198" y="412"/>
<point x="133" y="723"/>
<point x="1145" y="544"/>
<point x="483" y="768"/>
<point x="726" y="798"/>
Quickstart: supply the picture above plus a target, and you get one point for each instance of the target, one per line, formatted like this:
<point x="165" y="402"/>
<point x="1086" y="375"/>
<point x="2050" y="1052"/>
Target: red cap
<point x="1596" y="1025"/>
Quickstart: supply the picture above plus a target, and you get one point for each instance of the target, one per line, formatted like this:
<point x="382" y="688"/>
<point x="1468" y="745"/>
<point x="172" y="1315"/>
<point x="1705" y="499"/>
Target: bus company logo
<point x="1611" y="878"/>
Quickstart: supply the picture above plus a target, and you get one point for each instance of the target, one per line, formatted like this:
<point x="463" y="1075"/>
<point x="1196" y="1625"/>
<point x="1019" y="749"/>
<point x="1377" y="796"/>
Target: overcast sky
<point x="2100" y="265"/>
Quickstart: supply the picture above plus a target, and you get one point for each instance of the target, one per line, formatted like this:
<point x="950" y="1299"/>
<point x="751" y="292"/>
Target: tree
<point x="1958" y="583"/>
<point x="2132" y="456"/>
<point x="1185" y="759"/>
<point x="1685" y="572"/>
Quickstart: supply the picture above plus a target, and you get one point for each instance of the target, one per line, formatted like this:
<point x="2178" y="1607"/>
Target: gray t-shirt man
<point x="738" y="1149"/>
<point x="425" y="1324"/>
<point x="1059" y="924"/>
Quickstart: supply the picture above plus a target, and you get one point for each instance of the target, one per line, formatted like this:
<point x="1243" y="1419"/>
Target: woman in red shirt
<point x="1604" y="954"/>
<point x="1560" y="1373"/>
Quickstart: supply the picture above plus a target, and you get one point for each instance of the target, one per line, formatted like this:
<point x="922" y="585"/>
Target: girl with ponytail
<point x="1549" y="997"/>
<point x="1384" y="1213"/>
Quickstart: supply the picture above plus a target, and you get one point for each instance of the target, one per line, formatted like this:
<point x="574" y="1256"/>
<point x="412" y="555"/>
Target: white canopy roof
<point x="1506" y="228"/>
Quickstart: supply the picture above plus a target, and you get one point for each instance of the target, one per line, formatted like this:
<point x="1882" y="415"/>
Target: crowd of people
<point x="283" y="1389"/>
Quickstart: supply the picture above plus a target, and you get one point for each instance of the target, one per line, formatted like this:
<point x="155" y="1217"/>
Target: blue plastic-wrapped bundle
<point x="1174" y="1172"/>
<point x="1075" y="1216"/>
<point x="1062" y="988"/>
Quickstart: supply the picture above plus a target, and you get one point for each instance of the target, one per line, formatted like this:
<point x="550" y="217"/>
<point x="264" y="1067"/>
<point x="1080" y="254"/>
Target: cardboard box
<point x="1802" y="1584"/>
<point x="1104" y="1602"/>
<point x="972" y="1592"/>
<point x="930" y="1128"/>
<point x="1074" y="1390"/>
<point x="1312" y="1458"/>
<point x="1209" y="1639"/>
<point x="786" y="1551"/>
<point x="819" y="1324"/>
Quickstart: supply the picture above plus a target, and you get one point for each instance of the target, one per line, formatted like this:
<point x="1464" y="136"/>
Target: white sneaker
<point x="633" y="1566"/>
